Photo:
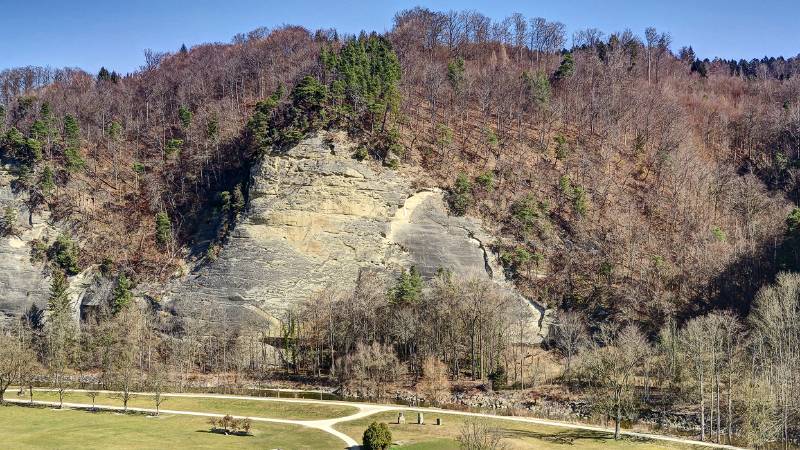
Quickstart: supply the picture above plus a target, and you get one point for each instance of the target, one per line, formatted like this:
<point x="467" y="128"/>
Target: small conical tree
<point x="103" y="75"/>
<point x="163" y="229"/>
<point x="566" y="69"/>
<point x="122" y="295"/>
<point x="377" y="436"/>
<point x="408" y="288"/>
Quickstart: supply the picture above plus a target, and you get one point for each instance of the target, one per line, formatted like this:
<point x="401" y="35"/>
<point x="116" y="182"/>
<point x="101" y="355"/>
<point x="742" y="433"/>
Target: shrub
<point x="8" y="221"/>
<point x="377" y="436"/>
<point x="74" y="161"/>
<point x="38" y="250"/>
<point x="719" y="234"/>
<point x="514" y="261"/>
<point x="64" y="253"/>
<point x="185" y="115"/>
<point x="361" y="153"/>
<point x="163" y="229"/>
<point x="460" y="197"/>
<point x="491" y="138"/>
<point x="499" y="378"/>
<point x="580" y="202"/>
<point x="173" y="146"/>
<point x="486" y="180"/>
<point x="529" y="213"/>
<point x="576" y="194"/>
<point x="393" y="163"/>
<point x="477" y="435"/>
<point x="562" y="148"/>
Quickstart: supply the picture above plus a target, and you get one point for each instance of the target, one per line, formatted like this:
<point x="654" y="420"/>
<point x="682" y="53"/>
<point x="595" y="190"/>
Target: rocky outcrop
<point x="22" y="281"/>
<point x="316" y="218"/>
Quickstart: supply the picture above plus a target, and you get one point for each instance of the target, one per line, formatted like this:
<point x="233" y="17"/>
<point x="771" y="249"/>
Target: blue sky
<point x="92" y="33"/>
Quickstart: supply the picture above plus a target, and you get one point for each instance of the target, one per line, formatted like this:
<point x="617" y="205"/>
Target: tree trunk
<point x="702" y="410"/>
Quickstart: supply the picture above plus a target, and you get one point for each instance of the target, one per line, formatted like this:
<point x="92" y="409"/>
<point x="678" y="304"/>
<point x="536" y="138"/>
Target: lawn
<point x="46" y="428"/>
<point x="517" y="435"/>
<point x="253" y="408"/>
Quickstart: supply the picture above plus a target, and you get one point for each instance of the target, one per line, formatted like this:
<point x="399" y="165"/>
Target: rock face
<point x="22" y="282"/>
<point x="316" y="218"/>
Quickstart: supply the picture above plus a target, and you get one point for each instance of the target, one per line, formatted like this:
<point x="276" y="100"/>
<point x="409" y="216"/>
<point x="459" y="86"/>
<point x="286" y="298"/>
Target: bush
<point x="514" y="261"/>
<point x="377" y="436"/>
<point x="486" y="181"/>
<point x="173" y="146"/>
<point x="361" y="153"/>
<point x="476" y="435"/>
<point x="8" y="221"/>
<point x="529" y="213"/>
<point x="74" y="161"/>
<point x="562" y="148"/>
<point x="229" y="425"/>
<point x="163" y="229"/>
<point x="64" y="253"/>
<point x="499" y="378"/>
<point x="38" y="251"/>
<point x="460" y="197"/>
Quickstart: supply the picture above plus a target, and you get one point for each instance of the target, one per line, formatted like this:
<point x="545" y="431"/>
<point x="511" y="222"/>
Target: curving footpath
<point x="364" y="410"/>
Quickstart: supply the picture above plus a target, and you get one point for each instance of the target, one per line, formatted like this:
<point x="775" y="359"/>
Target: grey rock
<point x="316" y="218"/>
<point x="22" y="282"/>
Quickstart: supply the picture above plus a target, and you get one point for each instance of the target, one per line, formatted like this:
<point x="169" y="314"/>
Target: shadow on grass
<point x="88" y="409"/>
<point x="238" y="433"/>
<point x="569" y="437"/>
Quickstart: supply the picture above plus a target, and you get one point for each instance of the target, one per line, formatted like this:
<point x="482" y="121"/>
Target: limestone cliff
<point x="316" y="217"/>
<point x="22" y="282"/>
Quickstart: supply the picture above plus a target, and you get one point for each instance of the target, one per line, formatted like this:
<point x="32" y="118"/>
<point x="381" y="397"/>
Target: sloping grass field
<point x="235" y="407"/>
<point x="47" y="428"/>
<point x="517" y="435"/>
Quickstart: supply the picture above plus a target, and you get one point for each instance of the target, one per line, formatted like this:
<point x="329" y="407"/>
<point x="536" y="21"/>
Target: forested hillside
<point x="628" y="182"/>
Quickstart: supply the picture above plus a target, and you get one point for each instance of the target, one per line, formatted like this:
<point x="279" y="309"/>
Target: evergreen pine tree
<point x="163" y="229"/>
<point x="72" y="140"/>
<point x="186" y="116"/>
<point x="566" y="69"/>
<point x="122" y="295"/>
<point x="103" y="75"/>
<point x="408" y="287"/>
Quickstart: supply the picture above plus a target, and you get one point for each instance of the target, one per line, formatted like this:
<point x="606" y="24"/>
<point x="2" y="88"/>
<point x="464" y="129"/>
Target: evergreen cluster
<point x="357" y="91"/>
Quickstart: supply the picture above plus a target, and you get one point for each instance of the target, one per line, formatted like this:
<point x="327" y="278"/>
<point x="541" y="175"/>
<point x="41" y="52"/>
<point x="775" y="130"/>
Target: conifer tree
<point x="122" y="295"/>
<point x="74" y="161"/>
<point x="566" y="69"/>
<point x="163" y="229"/>
<point x="103" y="75"/>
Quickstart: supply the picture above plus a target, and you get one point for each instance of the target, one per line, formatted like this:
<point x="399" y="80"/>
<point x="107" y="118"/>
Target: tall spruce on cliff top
<point x="357" y="91"/>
